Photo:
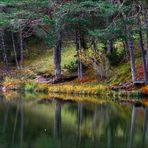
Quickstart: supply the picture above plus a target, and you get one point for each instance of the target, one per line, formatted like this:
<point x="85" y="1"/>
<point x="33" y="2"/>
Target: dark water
<point x="59" y="124"/>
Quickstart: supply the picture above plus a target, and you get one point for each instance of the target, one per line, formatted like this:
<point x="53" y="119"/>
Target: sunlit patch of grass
<point x="41" y="62"/>
<point x="68" y="55"/>
<point x="11" y="83"/>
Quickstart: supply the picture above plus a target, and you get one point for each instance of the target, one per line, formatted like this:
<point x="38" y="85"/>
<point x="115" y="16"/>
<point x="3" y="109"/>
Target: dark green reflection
<point x="57" y="124"/>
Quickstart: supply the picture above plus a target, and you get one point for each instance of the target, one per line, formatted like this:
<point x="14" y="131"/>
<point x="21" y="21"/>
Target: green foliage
<point x="71" y="67"/>
<point x="118" y="54"/>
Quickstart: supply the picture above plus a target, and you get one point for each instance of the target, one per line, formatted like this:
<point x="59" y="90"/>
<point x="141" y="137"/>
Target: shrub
<point x="72" y="67"/>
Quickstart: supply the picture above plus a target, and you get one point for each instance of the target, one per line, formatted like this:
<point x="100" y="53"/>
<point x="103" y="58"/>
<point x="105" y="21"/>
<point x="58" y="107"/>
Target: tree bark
<point x="78" y="47"/>
<point x="109" y="49"/>
<point x="143" y="57"/>
<point x="57" y="55"/>
<point x="21" y="50"/>
<point x="3" y="47"/>
<point x="132" y="59"/>
<point x="14" y="49"/>
<point x="146" y="25"/>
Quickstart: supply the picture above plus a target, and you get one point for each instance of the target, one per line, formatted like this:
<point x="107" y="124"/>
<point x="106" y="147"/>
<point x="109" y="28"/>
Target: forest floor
<point x="38" y="74"/>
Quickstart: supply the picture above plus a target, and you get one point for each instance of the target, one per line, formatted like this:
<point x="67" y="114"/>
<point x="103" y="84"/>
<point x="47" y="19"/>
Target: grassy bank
<point x="85" y="89"/>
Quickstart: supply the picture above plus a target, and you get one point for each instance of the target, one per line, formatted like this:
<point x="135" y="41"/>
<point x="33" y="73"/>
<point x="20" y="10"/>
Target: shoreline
<point x="72" y="89"/>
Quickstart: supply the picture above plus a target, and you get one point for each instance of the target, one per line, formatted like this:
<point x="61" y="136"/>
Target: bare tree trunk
<point x="57" y="54"/>
<point x="109" y="49"/>
<point x="125" y="45"/>
<point x="21" y="50"/>
<point x="146" y="24"/>
<point x="78" y="47"/>
<point x="14" y="49"/>
<point x="3" y="47"/>
<point x="132" y="59"/>
<point x="143" y="57"/>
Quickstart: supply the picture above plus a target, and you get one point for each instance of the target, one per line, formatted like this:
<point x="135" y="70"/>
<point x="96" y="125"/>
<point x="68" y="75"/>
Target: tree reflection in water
<point x="108" y="125"/>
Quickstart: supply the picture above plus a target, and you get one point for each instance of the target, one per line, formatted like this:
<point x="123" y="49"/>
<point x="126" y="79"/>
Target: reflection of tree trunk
<point x="80" y="118"/>
<point x="94" y="125"/>
<point x="126" y="133"/>
<point x="133" y="123"/>
<point x="109" y="138"/>
<point x="144" y="125"/>
<point x="6" y="117"/>
<point x="57" y="120"/>
<point x="22" y="121"/>
<point x="15" y="123"/>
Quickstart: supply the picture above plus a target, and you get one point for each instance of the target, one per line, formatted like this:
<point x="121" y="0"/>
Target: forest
<point x="73" y="73"/>
<point x="80" y="46"/>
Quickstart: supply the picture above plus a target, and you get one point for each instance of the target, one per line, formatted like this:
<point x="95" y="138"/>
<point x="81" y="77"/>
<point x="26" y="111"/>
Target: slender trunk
<point x="146" y="24"/>
<point x="130" y="46"/>
<point x="3" y="47"/>
<point x="21" y="50"/>
<point x="78" y="47"/>
<point x="57" y="55"/>
<point x="132" y="60"/>
<point x="109" y="49"/>
<point x="94" y="45"/>
<point x="14" y="49"/>
<point x="125" y="44"/>
<point x="143" y="57"/>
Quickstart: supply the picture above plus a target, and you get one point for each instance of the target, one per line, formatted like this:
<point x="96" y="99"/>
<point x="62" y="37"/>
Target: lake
<point x="54" y="123"/>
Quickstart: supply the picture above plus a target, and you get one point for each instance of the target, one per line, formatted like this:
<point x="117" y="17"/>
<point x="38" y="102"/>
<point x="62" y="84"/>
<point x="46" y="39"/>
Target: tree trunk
<point x="109" y="49"/>
<point x="57" y="55"/>
<point x="3" y="47"/>
<point x="143" y="57"/>
<point x="146" y="24"/>
<point x="125" y="45"/>
<point x="21" y="50"/>
<point x="132" y="60"/>
<point x="14" y="49"/>
<point x="78" y="47"/>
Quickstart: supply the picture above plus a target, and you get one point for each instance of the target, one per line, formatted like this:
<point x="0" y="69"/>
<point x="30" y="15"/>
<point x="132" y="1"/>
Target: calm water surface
<point x="60" y="124"/>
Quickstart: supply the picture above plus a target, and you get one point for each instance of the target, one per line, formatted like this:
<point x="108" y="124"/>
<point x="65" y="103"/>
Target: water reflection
<point x="25" y="123"/>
